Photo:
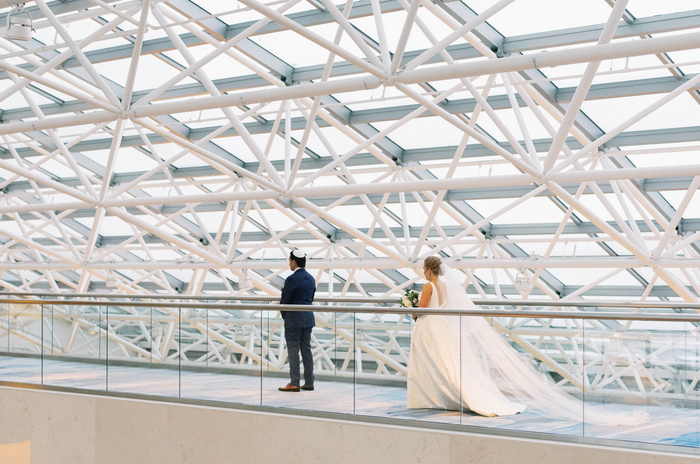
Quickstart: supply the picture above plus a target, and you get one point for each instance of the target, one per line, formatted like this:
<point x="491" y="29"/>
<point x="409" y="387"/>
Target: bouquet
<point x="409" y="300"/>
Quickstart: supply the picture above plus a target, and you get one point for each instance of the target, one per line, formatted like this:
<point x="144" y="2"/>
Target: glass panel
<point x="230" y="351"/>
<point x="638" y="376"/>
<point x="691" y="386"/>
<point x="273" y="373"/>
<point x="383" y="344"/>
<point x="335" y="357"/>
<point x="526" y="373"/>
<point x="143" y="350"/>
<point x="200" y="375"/>
<point x="22" y="362"/>
<point x="331" y="355"/>
<point x="275" y="368"/>
<point x="6" y="361"/>
<point x="74" y="349"/>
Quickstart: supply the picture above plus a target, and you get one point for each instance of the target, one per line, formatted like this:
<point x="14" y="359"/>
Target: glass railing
<point x="599" y="370"/>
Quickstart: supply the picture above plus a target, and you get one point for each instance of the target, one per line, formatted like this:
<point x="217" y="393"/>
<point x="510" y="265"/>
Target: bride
<point x="460" y="361"/>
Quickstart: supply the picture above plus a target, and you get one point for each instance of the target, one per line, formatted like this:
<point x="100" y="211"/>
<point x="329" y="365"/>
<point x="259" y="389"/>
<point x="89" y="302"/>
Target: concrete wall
<point x="81" y="429"/>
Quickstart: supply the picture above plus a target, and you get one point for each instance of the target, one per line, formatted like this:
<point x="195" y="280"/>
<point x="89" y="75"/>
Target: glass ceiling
<point x="167" y="146"/>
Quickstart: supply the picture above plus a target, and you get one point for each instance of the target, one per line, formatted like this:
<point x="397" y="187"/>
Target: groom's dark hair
<point x="298" y="257"/>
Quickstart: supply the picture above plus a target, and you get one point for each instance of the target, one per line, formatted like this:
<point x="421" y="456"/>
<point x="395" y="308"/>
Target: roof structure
<point x="544" y="148"/>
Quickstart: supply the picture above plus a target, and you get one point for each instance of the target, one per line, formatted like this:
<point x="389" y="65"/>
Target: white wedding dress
<point x="434" y="379"/>
<point x="460" y="362"/>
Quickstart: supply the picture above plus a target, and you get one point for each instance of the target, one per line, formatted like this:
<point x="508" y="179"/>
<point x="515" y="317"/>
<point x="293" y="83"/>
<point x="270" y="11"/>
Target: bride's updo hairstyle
<point x="433" y="263"/>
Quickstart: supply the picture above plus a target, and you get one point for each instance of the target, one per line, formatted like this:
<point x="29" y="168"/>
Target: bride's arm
<point x="425" y="296"/>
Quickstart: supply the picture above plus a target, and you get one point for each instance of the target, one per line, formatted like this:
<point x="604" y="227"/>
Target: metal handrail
<point x="587" y="315"/>
<point x="322" y="299"/>
<point x="112" y="296"/>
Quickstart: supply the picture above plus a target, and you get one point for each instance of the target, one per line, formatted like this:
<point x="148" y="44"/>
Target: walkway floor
<point x="668" y="425"/>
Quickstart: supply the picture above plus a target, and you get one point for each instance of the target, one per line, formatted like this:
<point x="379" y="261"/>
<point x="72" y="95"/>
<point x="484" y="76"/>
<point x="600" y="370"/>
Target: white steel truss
<point x="170" y="146"/>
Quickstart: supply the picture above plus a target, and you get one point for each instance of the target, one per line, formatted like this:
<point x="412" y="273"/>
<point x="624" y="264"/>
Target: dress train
<point x="463" y="361"/>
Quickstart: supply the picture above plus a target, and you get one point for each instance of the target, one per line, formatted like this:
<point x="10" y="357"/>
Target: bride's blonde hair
<point x="433" y="263"/>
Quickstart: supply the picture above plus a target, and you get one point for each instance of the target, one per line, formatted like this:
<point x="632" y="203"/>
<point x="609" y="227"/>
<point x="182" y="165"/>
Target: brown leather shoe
<point x="290" y="388"/>
<point x="307" y="387"/>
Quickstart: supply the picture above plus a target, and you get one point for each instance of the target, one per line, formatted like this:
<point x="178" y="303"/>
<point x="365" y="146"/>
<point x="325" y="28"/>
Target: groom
<point x="299" y="289"/>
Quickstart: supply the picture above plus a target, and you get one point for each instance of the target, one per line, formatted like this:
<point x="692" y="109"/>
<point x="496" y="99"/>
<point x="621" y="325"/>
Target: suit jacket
<point x="299" y="289"/>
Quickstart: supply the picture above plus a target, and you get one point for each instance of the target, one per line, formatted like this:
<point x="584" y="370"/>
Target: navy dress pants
<point x="299" y="339"/>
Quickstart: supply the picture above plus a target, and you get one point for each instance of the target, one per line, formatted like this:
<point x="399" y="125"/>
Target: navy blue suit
<point x="299" y="289"/>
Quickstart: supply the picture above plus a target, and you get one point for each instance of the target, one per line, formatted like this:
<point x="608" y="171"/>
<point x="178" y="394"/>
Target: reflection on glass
<point x="223" y="360"/>
<point x="638" y="371"/>
<point x="74" y="346"/>
<point x="335" y="361"/>
<point x="5" y="321"/>
<point x="23" y="363"/>
<point x="201" y="359"/>
<point x="331" y="342"/>
<point x="383" y="344"/>
<point x="690" y="385"/>
<point x="272" y="373"/>
<point x="514" y="377"/>
<point x="5" y="360"/>
<point x="142" y="349"/>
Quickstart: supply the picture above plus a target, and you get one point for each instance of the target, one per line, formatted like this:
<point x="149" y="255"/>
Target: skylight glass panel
<point x="420" y="150"/>
<point x="673" y="114"/>
<point x="651" y="8"/>
<point x="294" y="49"/>
<point x="541" y="14"/>
<point x="412" y="134"/>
